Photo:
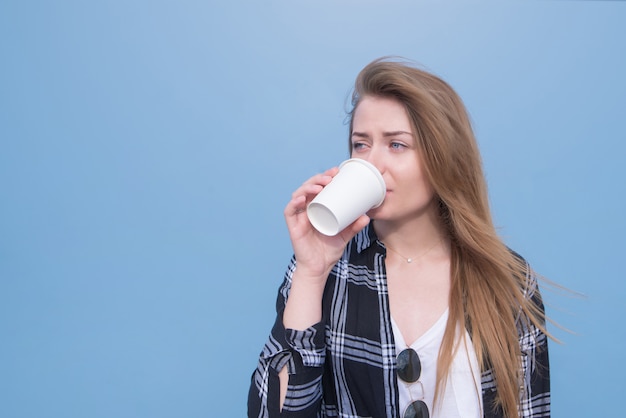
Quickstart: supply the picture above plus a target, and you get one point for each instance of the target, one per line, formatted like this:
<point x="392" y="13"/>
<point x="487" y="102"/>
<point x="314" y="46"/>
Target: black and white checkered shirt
<point x="344" y="366"/>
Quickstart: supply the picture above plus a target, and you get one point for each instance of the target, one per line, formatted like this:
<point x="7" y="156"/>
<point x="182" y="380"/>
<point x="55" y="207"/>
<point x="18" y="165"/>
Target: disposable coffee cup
<point x="357" y="188"/>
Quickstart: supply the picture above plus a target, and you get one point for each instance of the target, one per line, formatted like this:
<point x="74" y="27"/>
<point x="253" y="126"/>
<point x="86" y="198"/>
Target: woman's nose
<point x="376" y="158"/>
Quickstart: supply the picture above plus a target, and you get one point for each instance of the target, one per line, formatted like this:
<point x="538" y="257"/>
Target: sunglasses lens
<point x="417" y="409"/>
<point x="409" y="366"/>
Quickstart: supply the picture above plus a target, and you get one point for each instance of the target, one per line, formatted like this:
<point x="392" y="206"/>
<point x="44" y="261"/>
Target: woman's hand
<point x="315" y="252"/>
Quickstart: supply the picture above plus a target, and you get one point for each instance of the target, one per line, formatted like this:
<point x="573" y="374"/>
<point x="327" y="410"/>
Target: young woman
<point x="417" y="309"/>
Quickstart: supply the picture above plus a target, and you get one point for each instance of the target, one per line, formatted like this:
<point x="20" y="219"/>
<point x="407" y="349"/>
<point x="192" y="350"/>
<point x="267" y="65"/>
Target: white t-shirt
<point x="462" y="394"/>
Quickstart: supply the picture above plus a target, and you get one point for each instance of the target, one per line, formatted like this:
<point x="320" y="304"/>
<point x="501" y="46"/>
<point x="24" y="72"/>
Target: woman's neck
<point x="413" y="236"/>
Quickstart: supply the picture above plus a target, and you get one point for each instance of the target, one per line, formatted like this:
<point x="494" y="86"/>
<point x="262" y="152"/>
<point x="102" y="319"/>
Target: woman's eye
<point x="397" y="145"/>
<point x="358" y="145"/>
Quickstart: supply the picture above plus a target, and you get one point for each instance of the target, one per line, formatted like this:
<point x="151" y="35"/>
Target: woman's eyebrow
<point x="385" y="134"/>
<point x="360" y="134"/>
<point x="396" y="133"/>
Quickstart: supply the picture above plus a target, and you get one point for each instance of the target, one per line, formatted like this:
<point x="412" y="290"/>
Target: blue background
<point x="147" y="149"/>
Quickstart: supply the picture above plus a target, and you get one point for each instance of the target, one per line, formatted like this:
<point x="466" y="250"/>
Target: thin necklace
<point x="412" y="259"/>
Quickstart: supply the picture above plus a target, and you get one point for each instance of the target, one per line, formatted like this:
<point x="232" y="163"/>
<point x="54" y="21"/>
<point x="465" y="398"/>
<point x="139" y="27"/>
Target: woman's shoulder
<point x="527" y="278"/>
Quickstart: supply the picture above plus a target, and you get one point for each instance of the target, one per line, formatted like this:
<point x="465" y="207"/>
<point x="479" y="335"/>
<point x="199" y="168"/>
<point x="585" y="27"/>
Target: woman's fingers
<point x="323" y="178"/>
<point x="351" y="230"/>
<point x="307" y="191"/>
<point x="296" y="206"/>
<point x="313" y="185"/>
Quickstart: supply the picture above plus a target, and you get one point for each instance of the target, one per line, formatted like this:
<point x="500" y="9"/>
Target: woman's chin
<point x="376" y="213"/>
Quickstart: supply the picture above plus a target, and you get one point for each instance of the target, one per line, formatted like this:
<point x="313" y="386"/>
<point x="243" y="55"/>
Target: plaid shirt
<point x="344" y="366"/>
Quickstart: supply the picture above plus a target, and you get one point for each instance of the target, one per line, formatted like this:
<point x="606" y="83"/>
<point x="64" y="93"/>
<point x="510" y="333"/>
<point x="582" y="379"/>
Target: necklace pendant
<point x="409" y="260"/>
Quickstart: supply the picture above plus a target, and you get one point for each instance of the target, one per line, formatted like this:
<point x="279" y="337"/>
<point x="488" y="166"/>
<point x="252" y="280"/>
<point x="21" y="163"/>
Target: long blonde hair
<point x="489" y="282"/>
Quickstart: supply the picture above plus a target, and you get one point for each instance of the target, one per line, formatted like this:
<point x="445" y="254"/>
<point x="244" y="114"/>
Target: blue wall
<point x="147" y="149"/>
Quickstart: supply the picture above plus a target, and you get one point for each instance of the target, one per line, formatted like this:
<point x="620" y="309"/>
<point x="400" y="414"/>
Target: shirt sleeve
<point x="303" y="352"/>
<point x="535" y="385"/>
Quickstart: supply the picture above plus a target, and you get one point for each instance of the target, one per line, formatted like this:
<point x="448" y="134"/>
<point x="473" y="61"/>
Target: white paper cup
<point x="357" y="188"/>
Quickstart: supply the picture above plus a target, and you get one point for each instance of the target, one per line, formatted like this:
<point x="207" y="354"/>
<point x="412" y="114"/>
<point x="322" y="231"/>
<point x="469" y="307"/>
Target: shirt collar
<point x="366" y="237"/>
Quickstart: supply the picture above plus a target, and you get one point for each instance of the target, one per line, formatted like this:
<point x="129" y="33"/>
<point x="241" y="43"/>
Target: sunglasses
<point x="409" y="369"/>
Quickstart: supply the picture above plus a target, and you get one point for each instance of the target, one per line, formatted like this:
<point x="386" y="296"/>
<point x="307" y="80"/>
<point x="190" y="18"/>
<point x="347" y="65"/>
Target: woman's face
<point x="382" y="134"/>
